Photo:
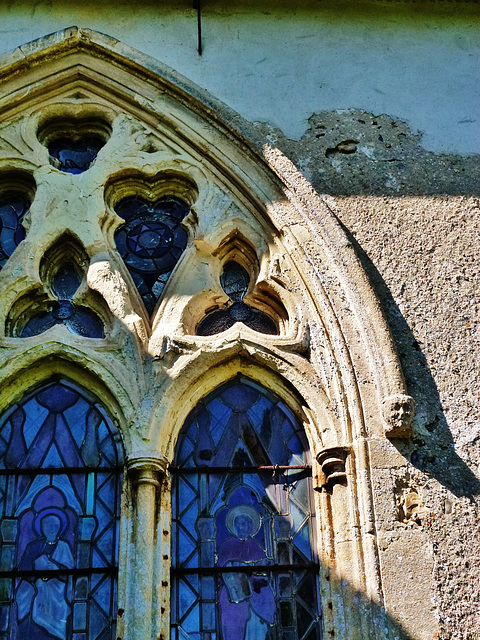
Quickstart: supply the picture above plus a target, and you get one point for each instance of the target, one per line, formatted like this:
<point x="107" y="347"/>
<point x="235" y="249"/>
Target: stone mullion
<point x="145" y="474"/>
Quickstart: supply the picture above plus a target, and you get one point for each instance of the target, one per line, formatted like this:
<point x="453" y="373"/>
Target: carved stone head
<point x="397" y="412"/>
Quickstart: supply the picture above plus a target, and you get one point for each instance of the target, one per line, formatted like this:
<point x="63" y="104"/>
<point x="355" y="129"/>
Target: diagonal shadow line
<point x="432" y="451"/>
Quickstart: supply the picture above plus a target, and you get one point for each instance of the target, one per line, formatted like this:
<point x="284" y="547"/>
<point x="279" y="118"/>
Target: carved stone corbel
<point x="332" y="463"/>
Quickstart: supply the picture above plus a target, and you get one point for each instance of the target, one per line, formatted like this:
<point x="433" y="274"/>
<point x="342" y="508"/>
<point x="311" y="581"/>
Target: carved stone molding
<point x="157" y="367"/>
<point x="142" y="466"/>
<point x="332" y="463"/>
<point x="397" y="412"/>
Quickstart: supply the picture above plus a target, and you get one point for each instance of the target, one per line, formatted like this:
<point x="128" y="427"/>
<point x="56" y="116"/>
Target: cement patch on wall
<point x="348" y="152"/>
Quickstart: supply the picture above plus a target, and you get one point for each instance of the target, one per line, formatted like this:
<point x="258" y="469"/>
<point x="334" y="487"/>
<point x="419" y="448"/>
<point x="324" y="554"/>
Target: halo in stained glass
<point x="61" y="461"/>
<point x="13" y="208"/>
<point x="151" y="242"/>
<point x="229" y="510"/>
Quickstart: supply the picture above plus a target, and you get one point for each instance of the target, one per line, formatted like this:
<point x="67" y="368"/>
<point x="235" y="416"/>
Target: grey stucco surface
<point x="280" y="63"/>
<point x="422" y="255"/>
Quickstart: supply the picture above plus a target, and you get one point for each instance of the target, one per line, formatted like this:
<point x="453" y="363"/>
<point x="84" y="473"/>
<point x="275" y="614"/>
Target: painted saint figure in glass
<point x="44" y="606"/>
<point x="243" y="555"/>
<point x="61" y="461"/>
<point x="247" y="604"/>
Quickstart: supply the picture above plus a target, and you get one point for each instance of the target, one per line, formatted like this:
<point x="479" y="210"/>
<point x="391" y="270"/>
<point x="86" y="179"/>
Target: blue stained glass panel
<point x="13" y="208"/>
<point x="75" y="155"/>
<point x="151" y="242"/>
<point x="247" y="522"/>
<point x="79" y="320"/>
<point x="55" y="520"/>
<point x="235" y="282"/>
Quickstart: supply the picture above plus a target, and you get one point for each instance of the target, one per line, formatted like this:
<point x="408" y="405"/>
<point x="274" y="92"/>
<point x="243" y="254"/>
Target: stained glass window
<point x="75" y="156"/>
<point x="78" y="319"/>
<point x="151" y="242"/>
<point x="235" y="282"/>
<point x="13" y="208"/>
<point x="243" y="559"/>
<point x="61" y="461"/>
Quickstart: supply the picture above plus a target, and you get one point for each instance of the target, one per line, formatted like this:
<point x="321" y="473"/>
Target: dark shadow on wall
<point x="431" y="448"/>
<point x="340" y="619"/>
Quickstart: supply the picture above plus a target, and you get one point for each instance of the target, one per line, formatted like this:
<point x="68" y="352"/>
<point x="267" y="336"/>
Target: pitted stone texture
<point x="422" y="256"/>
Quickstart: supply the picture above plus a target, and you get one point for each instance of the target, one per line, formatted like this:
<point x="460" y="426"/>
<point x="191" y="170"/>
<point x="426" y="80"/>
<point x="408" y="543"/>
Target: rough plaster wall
<point x="279" y="61"/>
<point x="352" y="152"/>
<point x="421" y="253"/>
<point x="419" y="242"/>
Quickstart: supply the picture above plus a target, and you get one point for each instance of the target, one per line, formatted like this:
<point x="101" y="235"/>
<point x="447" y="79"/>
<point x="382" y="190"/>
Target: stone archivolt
<point x="162" y="136"/>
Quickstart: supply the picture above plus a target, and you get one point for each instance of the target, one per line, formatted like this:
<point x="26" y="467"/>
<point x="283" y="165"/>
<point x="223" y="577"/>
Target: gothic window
<point x="61" y="461"/>
<point x="134" y="165"/>
<point x="243" y="560"/>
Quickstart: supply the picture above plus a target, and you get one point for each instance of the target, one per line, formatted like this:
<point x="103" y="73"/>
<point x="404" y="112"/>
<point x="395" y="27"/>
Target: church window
<point x="75" y="155"/>
<point x="243" y="557"/>
<point x="137" y="224"/>
<point x="151" y="242"/>
<point x="61" y="461"/>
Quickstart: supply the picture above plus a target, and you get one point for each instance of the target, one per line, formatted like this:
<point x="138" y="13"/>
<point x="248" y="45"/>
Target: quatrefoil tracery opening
<point x="151" y="242"/>
<point x="63" y="298"/>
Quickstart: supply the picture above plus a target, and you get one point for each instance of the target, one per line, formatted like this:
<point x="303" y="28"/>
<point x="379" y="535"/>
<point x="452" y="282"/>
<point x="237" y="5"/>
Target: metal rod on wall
<point x="198" y="7"/>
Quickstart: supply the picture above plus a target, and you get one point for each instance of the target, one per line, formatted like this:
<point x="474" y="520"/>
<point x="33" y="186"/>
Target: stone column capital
<point x="147" y="463"/>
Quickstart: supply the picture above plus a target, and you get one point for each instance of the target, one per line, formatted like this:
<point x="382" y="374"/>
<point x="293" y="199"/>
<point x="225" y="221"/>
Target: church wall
<point x="281" y="62"/>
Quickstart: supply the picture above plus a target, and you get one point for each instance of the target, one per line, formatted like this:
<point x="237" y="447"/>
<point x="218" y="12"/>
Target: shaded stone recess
<point x="421" y="253"/>
<point x="352" y="152"/>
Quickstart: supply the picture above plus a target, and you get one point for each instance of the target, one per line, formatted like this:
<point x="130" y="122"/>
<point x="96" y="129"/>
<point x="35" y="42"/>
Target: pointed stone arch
<point x="157" y="124"/>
